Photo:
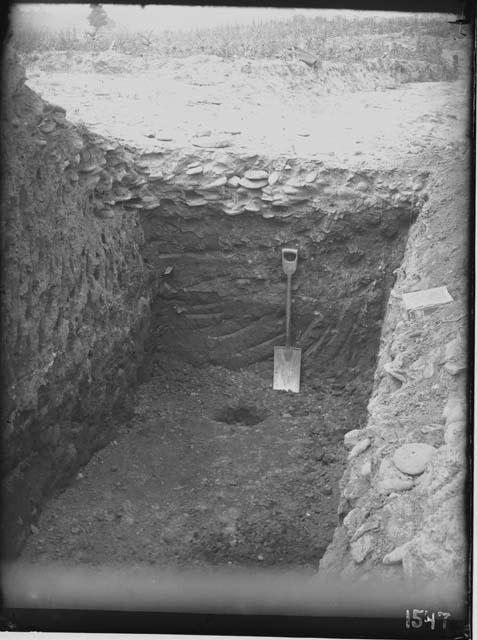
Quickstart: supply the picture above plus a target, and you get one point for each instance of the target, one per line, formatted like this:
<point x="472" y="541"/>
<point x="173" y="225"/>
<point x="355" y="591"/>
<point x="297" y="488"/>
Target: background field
<point x="338" y="38"/>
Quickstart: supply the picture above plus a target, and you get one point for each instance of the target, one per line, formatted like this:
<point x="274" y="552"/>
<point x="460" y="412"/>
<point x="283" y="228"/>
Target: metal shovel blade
<point x="286" y="369"/>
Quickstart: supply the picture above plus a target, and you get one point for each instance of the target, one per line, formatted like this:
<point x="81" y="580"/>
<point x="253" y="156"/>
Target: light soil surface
<point x="176" y="104"/>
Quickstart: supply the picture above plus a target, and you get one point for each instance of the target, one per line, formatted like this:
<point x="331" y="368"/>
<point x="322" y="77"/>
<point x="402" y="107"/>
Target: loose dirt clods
<point x="249" y="486"/>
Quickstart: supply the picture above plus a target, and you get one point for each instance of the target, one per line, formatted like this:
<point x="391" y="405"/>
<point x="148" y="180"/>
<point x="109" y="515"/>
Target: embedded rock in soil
<point x="354" y="519"/>
<point x="455" y="433"/>
<point x="365" y="469"/>
<point x="371" y="524"/>
<point x="361" y="548"/>
<point x="359" y="448"/>
<point x="454" y="410"/>
<point x="256" y="174"/>
<point x="413" y="458"/>
<point x="353" y="438"/>
<point x="396" y="555"/>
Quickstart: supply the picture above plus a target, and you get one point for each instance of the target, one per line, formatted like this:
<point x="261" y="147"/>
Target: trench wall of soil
<point x="213" y="247"/>
<point x="75" y="307"/>
<point x="403" y="501"/>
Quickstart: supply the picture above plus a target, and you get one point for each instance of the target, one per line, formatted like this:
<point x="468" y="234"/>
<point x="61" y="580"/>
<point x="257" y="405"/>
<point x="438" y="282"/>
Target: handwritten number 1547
<point x="421" y="617"/>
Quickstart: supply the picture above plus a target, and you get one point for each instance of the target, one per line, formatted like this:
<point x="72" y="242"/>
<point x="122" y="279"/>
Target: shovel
<point x="287" y="360"/>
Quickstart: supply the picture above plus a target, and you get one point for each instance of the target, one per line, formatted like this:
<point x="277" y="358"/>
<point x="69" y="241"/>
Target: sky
<point x="172" y="17"/>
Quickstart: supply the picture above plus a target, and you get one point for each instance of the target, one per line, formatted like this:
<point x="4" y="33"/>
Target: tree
<point x="97" y="17"/>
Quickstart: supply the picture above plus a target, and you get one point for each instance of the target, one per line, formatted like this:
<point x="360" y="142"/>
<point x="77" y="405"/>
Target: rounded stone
<point x="193" y="171"/>
<point x="196" y="202"/>
<point x="359" y="448"/>
<point x="252" y="184"/>
<point x="290" y="190"/>
<point x="396" y="556"/>
<point x="256" y="174"/>
<point x="354" y="519"/>
<point x="365" y="469"/>
<point x="455" y="432"/>
<point x="89" y="167"/>
<point x="413" y="458"/>
<point x="392" y="485"/>
<point x="219" y="182"/>
<point x="351" y="438"/>
<point x="454" y="349"/>
<point x="253" y="207"/>
<point x="233" y="211"/>
<point x="234" y="181"/>
<point x="454" y="411"/>
<point x="355" y="489"/>
<point x="454" y="369"/>
<point x="47" y="126"/>
<point x="361" y="548"/>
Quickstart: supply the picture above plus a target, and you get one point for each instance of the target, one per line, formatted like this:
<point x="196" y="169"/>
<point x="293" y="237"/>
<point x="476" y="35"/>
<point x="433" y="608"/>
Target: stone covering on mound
<point x="403" y="496"/>
<point x="75" y="306"/>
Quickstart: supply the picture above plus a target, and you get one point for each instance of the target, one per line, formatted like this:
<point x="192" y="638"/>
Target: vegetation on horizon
<point x="339" y="38"/>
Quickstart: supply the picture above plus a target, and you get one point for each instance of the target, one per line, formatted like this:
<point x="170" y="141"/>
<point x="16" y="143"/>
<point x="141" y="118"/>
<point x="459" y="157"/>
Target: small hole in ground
<point x="242" y="415"/>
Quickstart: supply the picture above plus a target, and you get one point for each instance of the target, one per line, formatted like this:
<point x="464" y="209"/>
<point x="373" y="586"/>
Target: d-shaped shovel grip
<point x="289" y="261"/>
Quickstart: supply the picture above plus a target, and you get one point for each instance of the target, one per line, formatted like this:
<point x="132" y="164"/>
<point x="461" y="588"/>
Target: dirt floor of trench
<point x="214" y="469"/>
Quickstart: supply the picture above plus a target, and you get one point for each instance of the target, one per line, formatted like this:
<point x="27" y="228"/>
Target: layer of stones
<point x="270" y="188"/>
<point x="402" y="508"/>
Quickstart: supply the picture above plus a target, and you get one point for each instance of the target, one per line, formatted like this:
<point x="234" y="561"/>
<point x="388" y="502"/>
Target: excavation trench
<point x="214" y="467"/>
<point x="145" y="296"/>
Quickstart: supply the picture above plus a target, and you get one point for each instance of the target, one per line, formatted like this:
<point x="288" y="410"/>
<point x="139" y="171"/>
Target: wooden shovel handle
<point x="289" y="264"/>
<point x="288" y="311"/>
